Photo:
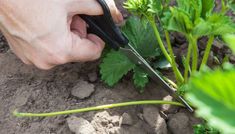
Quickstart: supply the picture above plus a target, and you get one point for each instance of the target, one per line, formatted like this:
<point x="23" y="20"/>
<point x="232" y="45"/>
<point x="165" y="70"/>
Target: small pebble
<point x="126" y="119"/>
<point x="154" y="119"/>
<point x="83" y="89"/>
<point x="179" y="124"/>
<point x="80" y="126"/>
<point x="92" y="77"/>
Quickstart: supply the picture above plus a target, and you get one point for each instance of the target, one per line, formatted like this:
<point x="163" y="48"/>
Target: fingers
<point x="78" y="26"/>
<point x="92" y="7"/>
<point x="86" y="49"/>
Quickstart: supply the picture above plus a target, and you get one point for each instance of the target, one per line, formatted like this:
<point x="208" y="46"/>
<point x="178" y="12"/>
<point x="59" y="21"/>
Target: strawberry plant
<point x="212" y="92"/>
<point x="115" y="64"/>
<point x="196" y="19"/>
<point x="204" y="129"/>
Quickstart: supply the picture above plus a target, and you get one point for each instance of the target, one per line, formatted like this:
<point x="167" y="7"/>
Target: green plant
<point x="149" y="10"/>
<point x="192" y="18"/>
<point x="204" y="129"/>
<point x="195" y="19"/>
<point x="115" y="64"/>
<point x="213" y="93"/>
<point x="230" y="40"/>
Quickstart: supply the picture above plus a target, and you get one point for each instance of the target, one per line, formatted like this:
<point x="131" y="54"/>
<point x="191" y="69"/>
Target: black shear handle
<point x="104" y="27"/>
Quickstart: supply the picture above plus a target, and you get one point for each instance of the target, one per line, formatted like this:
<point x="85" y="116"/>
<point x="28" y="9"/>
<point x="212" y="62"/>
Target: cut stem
<point x="170" y="82"/>
<point x="178" y="75"/>
<point x="207" y="51"/>
<point x="103" y="107"/>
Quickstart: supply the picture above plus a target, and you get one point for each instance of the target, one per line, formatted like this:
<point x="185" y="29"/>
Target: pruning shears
<point x="104" y="27"/>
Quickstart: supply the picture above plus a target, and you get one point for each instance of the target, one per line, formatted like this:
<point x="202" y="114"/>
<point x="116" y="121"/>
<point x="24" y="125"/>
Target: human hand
<point x="49" y="33"/>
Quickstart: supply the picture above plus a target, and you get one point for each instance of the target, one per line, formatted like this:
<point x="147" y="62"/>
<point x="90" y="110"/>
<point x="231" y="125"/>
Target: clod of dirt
<point x="83" y="89"/>
<point x="92" y="77"/>
<point x="22" y="95"/>
<point x="80" y="126"/>
<point x="202" y="43"/>
<point x="103" y="122"/>
<point x="179" y="38"/>
<point x="168" y="108"/>
<point x="153" y="118"/>
<point x="126" y="119"/>
<point x="179" y="124"/>
<point x="232" y="59"/>
<point x="210" y="58"/>
<point x="217" y="46"/>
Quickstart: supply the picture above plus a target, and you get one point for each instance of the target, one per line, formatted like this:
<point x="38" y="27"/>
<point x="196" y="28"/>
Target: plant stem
<point x="170" y="82"/>
<point x="207" y="51"/>
<point x="176" y="71"/>
<point x="157" y="34"/>
<point x="187" y="62"/>
<point x="193" y="41"/>
<point x="103" y="107"/>
<point x="224" y="7"/>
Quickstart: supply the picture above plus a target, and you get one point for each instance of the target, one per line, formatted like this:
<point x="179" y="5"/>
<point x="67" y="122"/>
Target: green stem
<point x="176" y="71"/>
<point x="193" y="41"/>
<point x="170" y="82"/>
<point x="103" y="107"/>
<point x="207" y="51"/>
<point x="157" y="34"/>
<point x="187" y="62"/>
<point x="224" y="7"/>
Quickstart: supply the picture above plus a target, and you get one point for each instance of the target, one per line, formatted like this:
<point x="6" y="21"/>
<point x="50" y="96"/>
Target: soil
<point x="28" y="89"/>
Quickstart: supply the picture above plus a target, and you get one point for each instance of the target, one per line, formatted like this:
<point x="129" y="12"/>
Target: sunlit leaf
<point x="142" y="38"/>
<point x="114" y="66"/>
<point x="213" y="94"/>
<point x="229" y="39"/>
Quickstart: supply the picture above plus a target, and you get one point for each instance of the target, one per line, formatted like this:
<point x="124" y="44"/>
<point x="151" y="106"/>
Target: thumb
<point x="86" y="49"/>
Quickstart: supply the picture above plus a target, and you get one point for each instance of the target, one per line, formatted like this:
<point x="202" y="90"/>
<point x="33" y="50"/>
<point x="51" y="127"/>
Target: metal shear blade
<point x="135" y="57"/>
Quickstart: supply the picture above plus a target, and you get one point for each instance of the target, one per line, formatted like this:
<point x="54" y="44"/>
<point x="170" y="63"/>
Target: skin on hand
<point x="47" y="33"/>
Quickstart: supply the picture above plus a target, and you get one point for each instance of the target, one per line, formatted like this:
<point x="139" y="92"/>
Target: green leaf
<point x="114" y="66"/>
<point x="207" y="7"/>
<point x="216" y="24"/>
<point x="204" y="129"/>
<point x="155" y="6"/>
<point x="229" y="39"/>
<point x="179" y="21"/>
<point x="213" y="93"/>
<point x="141" y="37"/>
<point x="140" y="78"/>
<point x="144" y="8"/>
<point x="221" y="24"/>
<point x="232" y="5"/>
<point x="202" y="28"/>
<point x="185" y="5"/>
<point x="192" y="7"/>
